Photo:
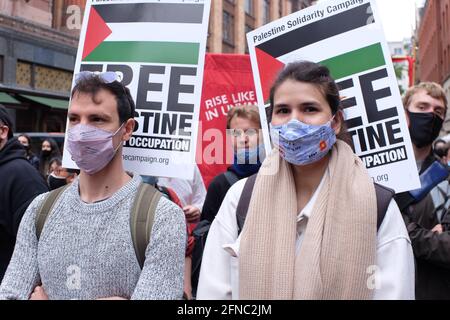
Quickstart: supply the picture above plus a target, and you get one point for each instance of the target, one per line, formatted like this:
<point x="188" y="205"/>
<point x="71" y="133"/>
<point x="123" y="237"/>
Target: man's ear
<point x="129" y="128"/>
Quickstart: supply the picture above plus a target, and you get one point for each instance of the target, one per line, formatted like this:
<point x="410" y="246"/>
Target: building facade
<point x="401" y="49"/>
<point x="230" y="20"/>
<point x="37" y="57"/>
<point x="434" y="46"/>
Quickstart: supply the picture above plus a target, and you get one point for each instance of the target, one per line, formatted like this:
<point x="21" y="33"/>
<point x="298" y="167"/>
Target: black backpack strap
<point x="384" y="197"/>
<point x="46" y="208"/>
<point x="231" y="177"/>
<point x="244" y="201"/>
<point x="141" y="219"/>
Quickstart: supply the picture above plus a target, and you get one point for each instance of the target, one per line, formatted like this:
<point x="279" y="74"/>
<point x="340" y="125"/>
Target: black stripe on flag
<point x="151" y="12"/>
<point x="317" y="31"/>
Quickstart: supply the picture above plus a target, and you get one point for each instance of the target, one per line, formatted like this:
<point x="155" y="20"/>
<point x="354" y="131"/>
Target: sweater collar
<point x="127" y="191"/>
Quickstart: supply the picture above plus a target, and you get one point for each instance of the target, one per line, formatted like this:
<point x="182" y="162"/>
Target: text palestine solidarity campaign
<point x="306" y="18"/>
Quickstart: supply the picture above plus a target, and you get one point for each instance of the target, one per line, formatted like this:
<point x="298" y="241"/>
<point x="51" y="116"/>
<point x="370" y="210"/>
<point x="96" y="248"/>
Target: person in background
<point x="49" y="150"/>
<point x="244" y="127"/>
<point x="426" y="106"/>
<point x="20" y="183"/>
<point x="31" y="157"/>
<point x="439" y="148"/>
<point x="60" y="176"/>
<point x="54" y="164"/>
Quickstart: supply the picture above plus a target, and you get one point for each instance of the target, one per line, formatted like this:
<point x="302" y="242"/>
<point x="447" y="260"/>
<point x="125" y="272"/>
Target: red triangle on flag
<point x="268" y="67"/>
<point x="97" y="31"/>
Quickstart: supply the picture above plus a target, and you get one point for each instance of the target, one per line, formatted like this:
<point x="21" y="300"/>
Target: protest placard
<point x="228" y="82"/>
<point x="158" y="48"/>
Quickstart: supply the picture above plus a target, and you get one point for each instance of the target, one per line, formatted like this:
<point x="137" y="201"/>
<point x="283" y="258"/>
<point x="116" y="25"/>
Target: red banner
<point x="227" y="82"/>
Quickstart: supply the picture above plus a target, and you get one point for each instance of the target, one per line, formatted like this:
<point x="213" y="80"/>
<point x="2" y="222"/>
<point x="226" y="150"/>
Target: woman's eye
<point x="283" y="110"/>
<point x="310" y="109"/>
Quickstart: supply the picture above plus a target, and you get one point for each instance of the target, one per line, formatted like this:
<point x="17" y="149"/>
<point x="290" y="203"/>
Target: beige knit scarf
<point x="340" y="239"/>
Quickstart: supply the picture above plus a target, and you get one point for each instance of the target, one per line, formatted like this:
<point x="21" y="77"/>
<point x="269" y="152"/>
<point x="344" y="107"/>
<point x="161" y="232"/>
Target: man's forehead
<point x="423" y="95"/>
<point x="99" y="102"/>
<point x="97" y="97"/>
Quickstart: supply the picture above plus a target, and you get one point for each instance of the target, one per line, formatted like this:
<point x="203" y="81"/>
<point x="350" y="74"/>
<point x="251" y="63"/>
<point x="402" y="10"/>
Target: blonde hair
<point x="249" y="112"/>
<point x="433" y="89"/>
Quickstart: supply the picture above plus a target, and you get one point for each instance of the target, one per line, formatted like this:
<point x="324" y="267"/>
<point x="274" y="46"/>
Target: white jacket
<point x="219" y="274"/>
<point x="190" y="192"/>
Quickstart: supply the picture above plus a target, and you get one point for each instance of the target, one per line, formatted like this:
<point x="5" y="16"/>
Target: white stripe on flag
<point x="180" y="32"/>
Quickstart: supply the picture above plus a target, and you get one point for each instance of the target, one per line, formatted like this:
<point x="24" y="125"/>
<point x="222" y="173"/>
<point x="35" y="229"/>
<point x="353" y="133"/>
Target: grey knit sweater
<point x="85" y="251"/>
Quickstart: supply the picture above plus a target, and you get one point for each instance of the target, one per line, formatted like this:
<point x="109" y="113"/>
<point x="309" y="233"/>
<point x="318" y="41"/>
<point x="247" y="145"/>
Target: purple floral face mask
<point x="91" y="148"/>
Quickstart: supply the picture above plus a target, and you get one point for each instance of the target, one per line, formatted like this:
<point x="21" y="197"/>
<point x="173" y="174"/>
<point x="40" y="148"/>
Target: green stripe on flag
<point x="355" y="61"/>
<point x="151" y="52"/>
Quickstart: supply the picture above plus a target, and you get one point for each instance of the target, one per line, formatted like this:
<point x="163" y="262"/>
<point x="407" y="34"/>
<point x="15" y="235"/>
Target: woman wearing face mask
<point x="54" y="181"/>
<point x="244" y="128"/>
<point x="49" y="150"/>
<point x="31" y="157"/>
<point x="311" y="229"/>
<point x="59" y="176"/>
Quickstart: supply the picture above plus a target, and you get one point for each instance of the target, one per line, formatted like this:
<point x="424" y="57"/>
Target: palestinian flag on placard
<point x="144" y="33"/>
<point x="272" y="55"/>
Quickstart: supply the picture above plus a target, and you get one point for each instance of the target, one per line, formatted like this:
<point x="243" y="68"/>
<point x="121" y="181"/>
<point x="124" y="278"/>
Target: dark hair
<point x="125" y="103"/>
<point x="310" y="72"/>
<point x="26" y="137"/>
<point x="28" y="150"/>
<point x="57" y="160"/>
<point x="73" y="171"/>
<point x="438" y="141"/>
<point x="5" y="119"/>
<point x="55" y="152"/>
<point x="44" y="162"/>
<point x="440" y="152"/>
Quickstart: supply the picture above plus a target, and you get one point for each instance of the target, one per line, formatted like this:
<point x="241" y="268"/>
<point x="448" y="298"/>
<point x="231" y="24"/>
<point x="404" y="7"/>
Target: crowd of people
<point x="304" y="222"/>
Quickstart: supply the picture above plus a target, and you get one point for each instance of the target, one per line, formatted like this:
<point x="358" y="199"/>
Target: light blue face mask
<point x="250" y="156"/>
<point x="448" y="163"/>
<point x="300" y="143"/>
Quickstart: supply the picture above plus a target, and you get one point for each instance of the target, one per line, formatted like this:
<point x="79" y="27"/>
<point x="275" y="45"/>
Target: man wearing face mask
<point x="86" y="248"/>
<point x="20" y="183"/>
<point x="426" y="107"/>
<point x="244" y="129"/>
